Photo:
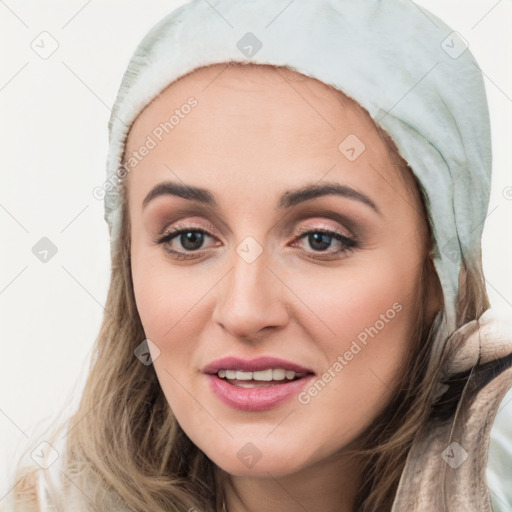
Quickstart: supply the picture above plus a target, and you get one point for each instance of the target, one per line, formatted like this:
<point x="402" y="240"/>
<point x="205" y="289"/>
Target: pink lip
<point x="253" y="365"/>
<point x="256" y="399"/>
<point x="260" y="398"/>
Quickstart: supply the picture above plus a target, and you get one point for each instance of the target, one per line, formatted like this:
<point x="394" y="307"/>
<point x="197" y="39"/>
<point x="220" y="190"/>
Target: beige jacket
<point x="446" y="468"/>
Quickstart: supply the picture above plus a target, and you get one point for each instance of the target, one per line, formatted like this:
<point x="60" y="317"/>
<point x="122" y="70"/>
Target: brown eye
<point x="190" y="238"/>
<point x="322" y="239"/>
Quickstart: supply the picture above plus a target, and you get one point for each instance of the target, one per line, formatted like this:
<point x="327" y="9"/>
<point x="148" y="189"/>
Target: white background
<point x="54" y="115"/>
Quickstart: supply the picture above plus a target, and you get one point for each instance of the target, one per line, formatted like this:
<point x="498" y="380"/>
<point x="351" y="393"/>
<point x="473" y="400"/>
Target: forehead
<point x="261" y="127"/>
<point x="256" y="97"/>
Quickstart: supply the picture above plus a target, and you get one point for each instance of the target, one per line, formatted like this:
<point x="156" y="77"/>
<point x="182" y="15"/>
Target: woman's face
<point x="326" y="281"/>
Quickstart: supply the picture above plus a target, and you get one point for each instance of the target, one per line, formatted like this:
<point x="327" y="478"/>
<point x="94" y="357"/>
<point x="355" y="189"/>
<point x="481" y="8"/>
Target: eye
<point x="192" y="238"/>
<point x="189" y="237"/>
<point x="321" y="239"/>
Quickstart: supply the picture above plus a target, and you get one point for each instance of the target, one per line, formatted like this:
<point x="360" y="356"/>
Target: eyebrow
<point x="288" y="199"/>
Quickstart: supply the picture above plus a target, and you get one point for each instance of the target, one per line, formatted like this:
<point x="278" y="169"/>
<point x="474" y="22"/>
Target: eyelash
<point x="349" y="243"/>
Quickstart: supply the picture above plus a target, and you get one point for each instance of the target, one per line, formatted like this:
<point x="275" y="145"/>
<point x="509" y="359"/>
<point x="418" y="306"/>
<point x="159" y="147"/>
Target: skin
<point x="256" y="133"/>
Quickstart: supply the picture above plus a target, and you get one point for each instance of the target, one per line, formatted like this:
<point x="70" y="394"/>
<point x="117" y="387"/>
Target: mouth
<point x="258" y="384"/>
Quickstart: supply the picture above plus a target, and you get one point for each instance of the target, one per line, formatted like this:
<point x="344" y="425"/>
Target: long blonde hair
<point x="126" y="451"/>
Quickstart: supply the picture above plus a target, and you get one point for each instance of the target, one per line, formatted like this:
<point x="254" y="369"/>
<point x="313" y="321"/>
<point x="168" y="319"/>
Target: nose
<point x="252" y="298"/>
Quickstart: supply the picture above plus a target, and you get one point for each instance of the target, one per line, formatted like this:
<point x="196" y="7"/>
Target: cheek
<point x="348" y="300"/>
<point x="170" y="300"/>
<point x="370" y="313"/>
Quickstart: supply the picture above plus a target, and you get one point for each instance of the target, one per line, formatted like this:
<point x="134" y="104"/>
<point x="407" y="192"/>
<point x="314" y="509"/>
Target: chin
<point x="262" y="469"/>
<point x="256" y="460"/>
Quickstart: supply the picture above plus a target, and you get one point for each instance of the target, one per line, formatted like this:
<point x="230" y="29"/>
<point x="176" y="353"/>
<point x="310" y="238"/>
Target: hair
<point x="126" y="451"/>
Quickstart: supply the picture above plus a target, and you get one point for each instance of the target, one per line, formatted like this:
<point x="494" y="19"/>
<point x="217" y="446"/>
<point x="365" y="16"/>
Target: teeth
<point x="265" y="375"/>
<point x="243" y="375"/>
<point x="279" y="374"/>
<point x="262" y="375"/>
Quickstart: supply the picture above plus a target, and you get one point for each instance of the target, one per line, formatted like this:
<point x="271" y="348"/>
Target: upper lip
<point x="253" y="365"/>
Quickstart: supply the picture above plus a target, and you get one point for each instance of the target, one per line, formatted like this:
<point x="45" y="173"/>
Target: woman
<point x="297" y="317"/>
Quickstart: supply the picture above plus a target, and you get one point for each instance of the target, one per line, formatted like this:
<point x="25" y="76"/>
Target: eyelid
<point x="319" y="226"/>
<point x="351" y="222"/>
<point x="196" y="214"/>
<point x="191" y="225"/>
<point x="316" y="219"/>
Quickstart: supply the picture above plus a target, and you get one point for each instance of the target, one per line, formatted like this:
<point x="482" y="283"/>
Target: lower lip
<point x="258" y="398"/>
